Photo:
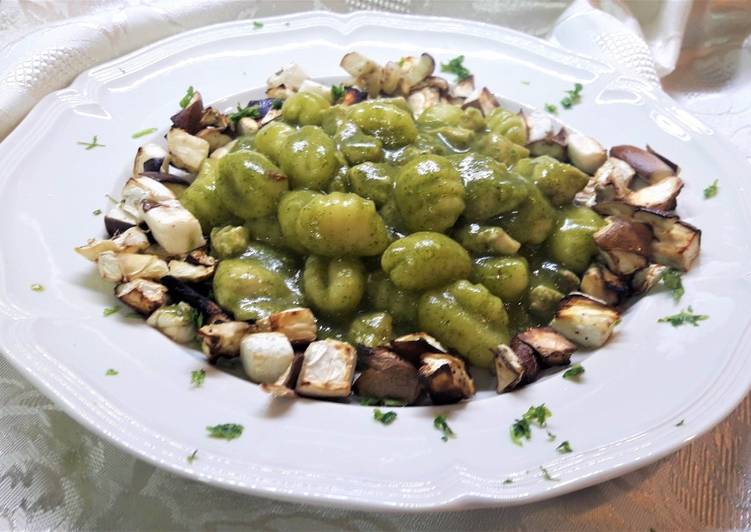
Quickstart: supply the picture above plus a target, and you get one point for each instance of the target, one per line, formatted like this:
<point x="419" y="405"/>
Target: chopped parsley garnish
<point x="225" y="431"/>
<point x="257" y="25"/>
<point x="508" y="481"/>
<point x="369" y="401"/>
<point x="337" y="92"/>
<point x="680" y="423"/>
<point x="111" y="372"/>
<point x="251" y="111"/>
<point x="91" y="145"/>
<point x="564" y="448"/>
<point x="520" y="429"/>
<point x="538" y="414"/>
<point x="143" y="132"/>
<point x="671" y="279"/>
<point x="185" y="100"/>
<point x="572" y="97"/>
<point x="712" y="190"/>
<point x="574" y="372"/>
<point x="197" y="377"/>
<point x="385" y="418"/>
<point x="551" y="436"/>
<point x="113" y="200"/>
<point x="550" y="108"/>
<point x="277" y="104"/>
<point x="684" y="317"/>
<point x="96" y="212"/>
<point x="374" y="401"/>
<point x="440" y="424"/>
<point x="525" y="82"/>
<point x="109" y="311"/>
<point x="36" y="287"/>
<point x="456" y="67"/>
<point x="192" y="456"/>
<point x="547" y="476"/>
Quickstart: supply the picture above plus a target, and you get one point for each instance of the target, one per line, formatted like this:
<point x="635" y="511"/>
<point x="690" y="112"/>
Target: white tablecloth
<point x="54" y="474"/>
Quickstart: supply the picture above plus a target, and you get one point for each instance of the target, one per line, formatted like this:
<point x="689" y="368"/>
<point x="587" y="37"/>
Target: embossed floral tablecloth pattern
<point x="54" y="474"/>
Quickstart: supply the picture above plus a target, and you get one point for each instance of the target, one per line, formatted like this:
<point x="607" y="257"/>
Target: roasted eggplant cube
<point x="552" y="348"/>
<point x="327" y="370"/>
<point x="585" y="320"/>
<point x="265" y="356"/>
<point x="387" y="376"/>
<point x="446" y="378"/>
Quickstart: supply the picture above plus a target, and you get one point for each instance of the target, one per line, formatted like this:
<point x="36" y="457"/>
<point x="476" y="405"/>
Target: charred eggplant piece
<point x="387" y="376"/>
<point x="189" y="119"/>
<point x="175" y="321"/>
<point x="299" y="324"/>
<point x="142" y="295"/>
<point x="223" y="340"/>
<point x="599" y="282"/>
<point x="584" y="320"/>
<point x="181" y="291"/>
<point x="265" y="356"/>
<point x="284" y="386"/>
<point x="552" y="348"/>
<point x="446" y="378"/>
<point x="647" y="165"/>
<point x="585" y="153"/>
<point x="327" y="370"/>
<point x="150" y="158"/>
<point x="412" y="346"/>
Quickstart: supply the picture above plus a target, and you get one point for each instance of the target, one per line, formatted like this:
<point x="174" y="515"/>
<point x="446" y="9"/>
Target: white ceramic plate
<point x="622" y="415"/>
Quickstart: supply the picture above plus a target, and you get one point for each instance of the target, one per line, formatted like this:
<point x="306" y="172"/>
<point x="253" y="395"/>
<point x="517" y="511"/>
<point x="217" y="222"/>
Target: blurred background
<point x="54" y="474"/>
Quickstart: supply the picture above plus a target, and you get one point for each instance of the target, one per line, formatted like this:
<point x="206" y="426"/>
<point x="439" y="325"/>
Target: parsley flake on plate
<point x="671" y="279"/>
<point x="572" y="97"/>
<point x="185" y="100"/>
<point x="96" y="212"/>
<point x="91" y="145"/>
<point x="574" y="372"/>
<point x="385" y="418"/>
<point x="684" y="317"/>
<point x="564" y="448"/>
<point x="546" y="475"/>
<point x="520" y="429"/>
<point x="197" y="377"/>
<point x="550" y="108"/>
<point x="225" y="431"/>
<point x="456" y="67"/>
<point x="109" y="311"/>
<point x="111" y="372"/>
<point x="680" y="423"/>
<point x="551" y="436"/>
<point x="508" y="481"/>
<point x="192" y="456"/>
<point x="143" y="132"/>
<point x="439" y="423"/>
<point x="538" y="414"/>
<point x="712" y="190"/>
<point x="257" y="25"/>
<point x="36" y="287"/>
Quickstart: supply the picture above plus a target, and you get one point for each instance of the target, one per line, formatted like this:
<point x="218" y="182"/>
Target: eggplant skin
<point x="527" y="358"/>
<point x="388" y="376"/>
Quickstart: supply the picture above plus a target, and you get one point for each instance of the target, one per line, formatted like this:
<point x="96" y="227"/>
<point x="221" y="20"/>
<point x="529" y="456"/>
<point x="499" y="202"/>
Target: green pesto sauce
<point x="346" y="185"/>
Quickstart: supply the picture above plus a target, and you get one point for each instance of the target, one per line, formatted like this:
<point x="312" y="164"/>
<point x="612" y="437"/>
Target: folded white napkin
<point x="74" y="36"/>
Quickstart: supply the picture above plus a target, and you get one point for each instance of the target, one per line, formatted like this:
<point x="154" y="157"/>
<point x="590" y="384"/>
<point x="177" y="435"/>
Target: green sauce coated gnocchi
<point x="382" y="221"/>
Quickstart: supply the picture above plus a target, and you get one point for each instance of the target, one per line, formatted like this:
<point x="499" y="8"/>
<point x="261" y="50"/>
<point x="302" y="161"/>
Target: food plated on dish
<point x="389" y="235"/>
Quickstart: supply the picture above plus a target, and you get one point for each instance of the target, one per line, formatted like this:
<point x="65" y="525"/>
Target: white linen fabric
<point x="54" y="474"/>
